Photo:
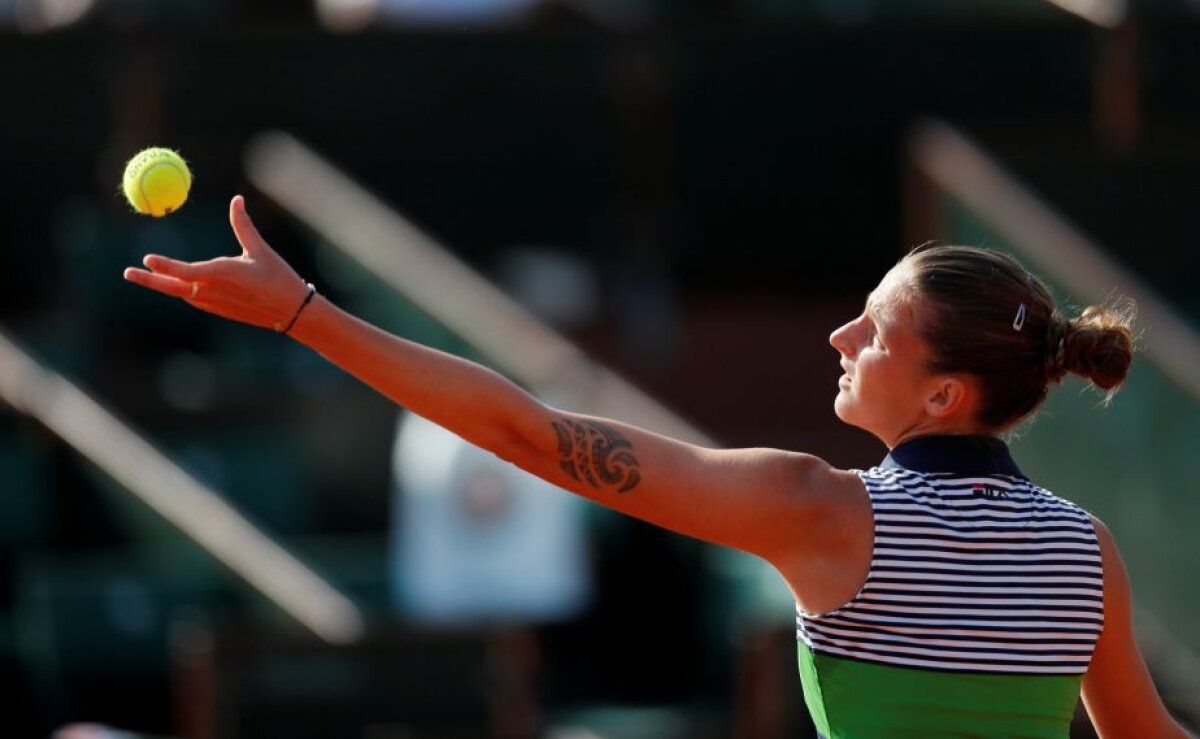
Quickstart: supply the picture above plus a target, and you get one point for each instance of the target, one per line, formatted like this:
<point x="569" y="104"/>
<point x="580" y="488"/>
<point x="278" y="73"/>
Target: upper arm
<point x="756" y="500"/>
<point x="1117" y="690"/>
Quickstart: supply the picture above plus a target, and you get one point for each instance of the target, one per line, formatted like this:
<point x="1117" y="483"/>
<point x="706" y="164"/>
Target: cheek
<point x="874" y="386"/>
<point x="868" y="371"/>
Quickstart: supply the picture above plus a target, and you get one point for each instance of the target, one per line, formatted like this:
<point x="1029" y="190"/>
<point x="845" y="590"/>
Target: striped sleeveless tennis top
<point x="979" y="613"/>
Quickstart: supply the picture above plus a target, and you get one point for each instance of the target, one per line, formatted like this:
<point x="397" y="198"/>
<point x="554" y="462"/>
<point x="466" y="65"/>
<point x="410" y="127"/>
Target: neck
<point x="931" y="427"/>
<point x="958" y="454"/>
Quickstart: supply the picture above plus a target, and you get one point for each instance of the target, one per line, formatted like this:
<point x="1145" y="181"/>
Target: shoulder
<point x="780" y="466"/>
<point x="824" y="498"/>
<point x="802" y="494"/>
<point x="1105" y="537"/>
<point x="826" y="554"/>
<point x="811" y="480"/>
<point x="1116" y="577"/>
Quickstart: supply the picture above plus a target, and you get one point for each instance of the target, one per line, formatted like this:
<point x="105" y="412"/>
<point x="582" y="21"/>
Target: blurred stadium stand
<point x="395" y="683"/>
<point x="735" y="169"/>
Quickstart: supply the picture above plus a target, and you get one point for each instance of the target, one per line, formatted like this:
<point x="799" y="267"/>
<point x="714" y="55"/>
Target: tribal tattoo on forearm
<point x="596" y="454"/>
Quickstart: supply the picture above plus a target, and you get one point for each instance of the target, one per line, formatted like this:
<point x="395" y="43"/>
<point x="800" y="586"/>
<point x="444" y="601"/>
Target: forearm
<point x="470" y="400"/>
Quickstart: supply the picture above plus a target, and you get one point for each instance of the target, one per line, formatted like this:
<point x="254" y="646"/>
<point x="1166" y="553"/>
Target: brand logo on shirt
<point x="988" y="491"/>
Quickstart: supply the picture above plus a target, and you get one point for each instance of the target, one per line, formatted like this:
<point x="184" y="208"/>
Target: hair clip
<point x="1019" y="321"/>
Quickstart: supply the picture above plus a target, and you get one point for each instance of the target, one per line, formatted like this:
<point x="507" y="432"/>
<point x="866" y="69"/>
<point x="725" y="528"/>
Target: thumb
<point x="243" y="228"/>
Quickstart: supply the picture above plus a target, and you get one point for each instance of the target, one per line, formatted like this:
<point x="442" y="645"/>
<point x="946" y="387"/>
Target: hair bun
<point x="1098" y="345"/>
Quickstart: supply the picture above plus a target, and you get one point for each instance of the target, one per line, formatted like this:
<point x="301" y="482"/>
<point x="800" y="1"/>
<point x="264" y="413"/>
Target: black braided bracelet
<point x="312" y="290"/>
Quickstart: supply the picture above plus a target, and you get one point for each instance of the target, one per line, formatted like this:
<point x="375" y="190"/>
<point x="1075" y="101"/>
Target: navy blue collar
<point x="959" y="455"/>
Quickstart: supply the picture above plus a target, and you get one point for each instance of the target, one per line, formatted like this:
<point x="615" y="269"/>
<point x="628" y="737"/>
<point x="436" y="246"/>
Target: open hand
<point x="255" y="287"/>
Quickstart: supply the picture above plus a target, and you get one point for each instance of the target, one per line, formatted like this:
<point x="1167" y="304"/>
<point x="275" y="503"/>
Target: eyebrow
<point x="872" y="309"/>
<point x="877" y="320"/>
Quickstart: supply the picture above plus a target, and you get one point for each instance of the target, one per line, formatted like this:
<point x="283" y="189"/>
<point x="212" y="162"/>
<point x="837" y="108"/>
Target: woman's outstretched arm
<point x="756" y="500"/>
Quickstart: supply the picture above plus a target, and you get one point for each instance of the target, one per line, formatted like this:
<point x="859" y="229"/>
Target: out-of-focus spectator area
<point x="694" y="193"/>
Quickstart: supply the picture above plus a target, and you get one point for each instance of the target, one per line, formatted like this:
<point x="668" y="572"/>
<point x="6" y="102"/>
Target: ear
<point x="950" y="396"/>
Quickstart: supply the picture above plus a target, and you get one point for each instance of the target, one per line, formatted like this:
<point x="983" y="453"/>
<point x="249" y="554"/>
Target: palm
<point x="255" y="287"/>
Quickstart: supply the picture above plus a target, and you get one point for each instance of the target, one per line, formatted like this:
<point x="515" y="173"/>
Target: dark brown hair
<point x="983" y="314"/>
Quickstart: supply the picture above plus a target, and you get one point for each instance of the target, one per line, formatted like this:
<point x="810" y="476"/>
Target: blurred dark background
<point x="726" y="177"/>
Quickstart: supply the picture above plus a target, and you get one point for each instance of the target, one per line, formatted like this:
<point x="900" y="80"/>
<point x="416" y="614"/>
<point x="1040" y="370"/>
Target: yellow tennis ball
<point x="156" y="181"/>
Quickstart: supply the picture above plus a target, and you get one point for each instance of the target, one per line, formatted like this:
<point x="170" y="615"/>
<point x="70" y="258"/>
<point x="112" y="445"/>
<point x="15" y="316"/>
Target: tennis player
<point x="940" y="593"/>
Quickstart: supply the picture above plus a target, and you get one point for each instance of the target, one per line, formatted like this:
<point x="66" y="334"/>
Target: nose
<point x="840" y="339"/>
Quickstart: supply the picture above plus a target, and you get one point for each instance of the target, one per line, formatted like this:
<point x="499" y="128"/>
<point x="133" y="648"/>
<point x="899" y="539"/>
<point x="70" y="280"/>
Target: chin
<point x="844" y="409"/>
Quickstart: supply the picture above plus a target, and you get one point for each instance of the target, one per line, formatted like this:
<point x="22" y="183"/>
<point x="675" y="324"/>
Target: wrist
<point x="285" y="327"/>
<point x="312" y="322"/>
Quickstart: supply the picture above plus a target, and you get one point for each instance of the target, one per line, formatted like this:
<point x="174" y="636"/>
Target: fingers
<point x="163" y="283"/>
<point x="181" y="270"/>
<point x="247" y="234"/>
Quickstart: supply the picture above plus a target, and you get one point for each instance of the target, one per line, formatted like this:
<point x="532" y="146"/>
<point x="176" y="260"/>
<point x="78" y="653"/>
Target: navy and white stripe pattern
<point x="970" y="573"/>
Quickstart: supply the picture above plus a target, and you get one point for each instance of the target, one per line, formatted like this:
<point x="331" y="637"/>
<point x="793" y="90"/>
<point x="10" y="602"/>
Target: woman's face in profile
<point x="884" y="361"/>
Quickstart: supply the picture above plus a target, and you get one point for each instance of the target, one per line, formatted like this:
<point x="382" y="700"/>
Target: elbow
<point x="523" y="437"/>
<point x="512" y="448"/>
